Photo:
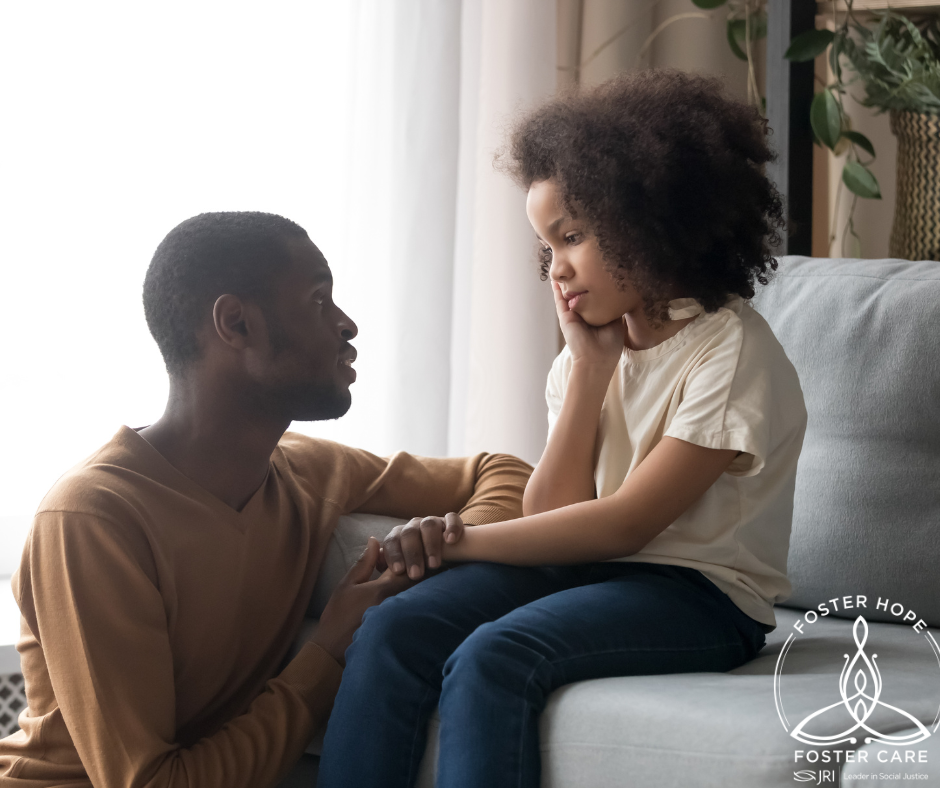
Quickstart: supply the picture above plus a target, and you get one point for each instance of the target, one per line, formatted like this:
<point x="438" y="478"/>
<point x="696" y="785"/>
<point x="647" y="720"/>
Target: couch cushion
<point x="715" y="729"/>
<point x="864" y="336"/>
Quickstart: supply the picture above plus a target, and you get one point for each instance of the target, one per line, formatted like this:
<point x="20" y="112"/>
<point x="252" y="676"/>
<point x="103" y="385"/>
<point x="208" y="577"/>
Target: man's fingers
<point x="392" y="548"/>
<point x="361" y="571"/>
<point x="432" y="535"/>
<point x="412" y="548"/>
<point x="390" y="584"/>
<point x="453" y="527"/>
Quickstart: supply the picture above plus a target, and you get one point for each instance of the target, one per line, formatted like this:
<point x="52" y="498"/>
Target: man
<point x="165" y="577"/>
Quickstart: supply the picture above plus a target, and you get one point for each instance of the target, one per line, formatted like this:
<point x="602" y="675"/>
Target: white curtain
<point x="465" y="330"/>
<point x="506" y="337"/>
<point x="370" y="122"/>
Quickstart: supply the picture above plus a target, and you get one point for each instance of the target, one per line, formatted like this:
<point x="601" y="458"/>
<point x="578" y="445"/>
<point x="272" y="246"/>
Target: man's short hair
<point x="237" y="252"/>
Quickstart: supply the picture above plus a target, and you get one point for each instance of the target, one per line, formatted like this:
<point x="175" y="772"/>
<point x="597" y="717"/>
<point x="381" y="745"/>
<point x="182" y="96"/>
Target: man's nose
<point x="347" y="328"/>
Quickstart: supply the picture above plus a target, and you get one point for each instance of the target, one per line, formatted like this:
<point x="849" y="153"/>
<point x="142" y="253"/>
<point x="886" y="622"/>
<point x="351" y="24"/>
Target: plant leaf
<point x="860" y="181"/>
<point x="825" y="117"/>
<point x="808" y="45"/>
<point x="707" y="4"/>
<point x="834" y="62"/>
<point x="736" y="29"/>
<point x="861" y="140"/>
<point x="897" y="62"/>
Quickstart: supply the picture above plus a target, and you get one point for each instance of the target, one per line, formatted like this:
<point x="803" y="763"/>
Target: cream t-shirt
<point x="723" y="382"/>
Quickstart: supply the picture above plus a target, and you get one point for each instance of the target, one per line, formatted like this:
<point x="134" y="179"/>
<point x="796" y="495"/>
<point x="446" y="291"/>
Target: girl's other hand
<point x="598" y="346"/>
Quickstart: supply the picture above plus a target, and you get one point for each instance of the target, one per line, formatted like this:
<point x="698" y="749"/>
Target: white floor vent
<point x="12" y="702"/>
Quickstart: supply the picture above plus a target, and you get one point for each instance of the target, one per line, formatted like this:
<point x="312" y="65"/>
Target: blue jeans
<point x="488" y="643"/>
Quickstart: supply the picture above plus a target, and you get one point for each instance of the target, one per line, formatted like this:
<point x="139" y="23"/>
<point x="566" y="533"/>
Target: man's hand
<point x="353" y="596"/>
<point x="419" y="544"/>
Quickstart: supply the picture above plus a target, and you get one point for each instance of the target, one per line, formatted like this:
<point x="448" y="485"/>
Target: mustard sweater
<point x="156" y="619"/>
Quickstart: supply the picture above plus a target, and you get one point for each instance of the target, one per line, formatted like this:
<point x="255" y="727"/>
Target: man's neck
<point x="212" y="439"/>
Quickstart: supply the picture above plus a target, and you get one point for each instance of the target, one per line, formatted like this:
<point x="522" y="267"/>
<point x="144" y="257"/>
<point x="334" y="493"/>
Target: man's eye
<point x="319" y="299"/>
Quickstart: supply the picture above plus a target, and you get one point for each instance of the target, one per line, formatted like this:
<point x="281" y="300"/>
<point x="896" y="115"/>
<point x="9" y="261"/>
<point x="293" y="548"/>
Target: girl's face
<point x="576" y="261"/>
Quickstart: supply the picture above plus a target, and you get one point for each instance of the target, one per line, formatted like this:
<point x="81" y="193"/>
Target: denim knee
<point x="386" y="629"/>
<point x="499" y="656"/>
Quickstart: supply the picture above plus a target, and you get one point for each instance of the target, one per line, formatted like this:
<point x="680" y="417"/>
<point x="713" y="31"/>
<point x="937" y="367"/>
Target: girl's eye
<point x="573" y="238"/>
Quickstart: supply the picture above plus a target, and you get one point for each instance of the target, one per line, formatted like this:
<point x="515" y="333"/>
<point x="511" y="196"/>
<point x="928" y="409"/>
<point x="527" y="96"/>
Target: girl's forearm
<point x="673" y="476"/>
<point x="595" y="530"/>
<point x="565" y="474"/>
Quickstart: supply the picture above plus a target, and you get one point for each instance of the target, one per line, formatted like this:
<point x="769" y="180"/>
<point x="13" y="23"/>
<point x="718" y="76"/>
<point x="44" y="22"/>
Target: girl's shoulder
<point x="738" y="323"/>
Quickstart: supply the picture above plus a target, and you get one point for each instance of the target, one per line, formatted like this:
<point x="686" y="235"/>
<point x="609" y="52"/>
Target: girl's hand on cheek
<point x="598" y="346"/>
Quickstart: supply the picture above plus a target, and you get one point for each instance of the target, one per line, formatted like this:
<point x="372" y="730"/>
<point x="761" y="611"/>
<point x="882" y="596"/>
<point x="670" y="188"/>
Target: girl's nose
<point x="559" y="269"/>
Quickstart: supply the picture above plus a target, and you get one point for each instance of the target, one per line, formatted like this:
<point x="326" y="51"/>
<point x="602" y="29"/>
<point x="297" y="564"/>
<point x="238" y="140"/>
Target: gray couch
<point x="864" y="336"/>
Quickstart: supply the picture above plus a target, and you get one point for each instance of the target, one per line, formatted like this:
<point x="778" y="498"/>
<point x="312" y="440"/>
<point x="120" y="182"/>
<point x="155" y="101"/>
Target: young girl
<point x="657" y="522"/>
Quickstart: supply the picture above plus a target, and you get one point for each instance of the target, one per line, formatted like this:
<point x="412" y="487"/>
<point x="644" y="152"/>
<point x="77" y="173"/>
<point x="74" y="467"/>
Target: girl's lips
<point x="573" y="299"/>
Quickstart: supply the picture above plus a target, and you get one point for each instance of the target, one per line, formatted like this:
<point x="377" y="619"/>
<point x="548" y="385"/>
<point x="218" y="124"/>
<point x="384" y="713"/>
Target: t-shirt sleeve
<point x="88" y="595"/>
<point x="727" y="401"/>
<point x="555" y="387"/>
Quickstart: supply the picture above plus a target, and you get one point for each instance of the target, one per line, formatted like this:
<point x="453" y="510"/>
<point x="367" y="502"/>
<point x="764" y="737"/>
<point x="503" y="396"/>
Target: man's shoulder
<point x="294" y="447"/>
<point x="315" y="466"/>
<point x="103" y="485"/>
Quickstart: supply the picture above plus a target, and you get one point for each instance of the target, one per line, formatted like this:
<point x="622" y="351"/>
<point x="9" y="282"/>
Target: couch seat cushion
<point x="715" y="729"/>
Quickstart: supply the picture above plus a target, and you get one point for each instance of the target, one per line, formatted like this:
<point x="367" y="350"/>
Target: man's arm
<point x="485" y="488"/>
<point x="99" y="618"/>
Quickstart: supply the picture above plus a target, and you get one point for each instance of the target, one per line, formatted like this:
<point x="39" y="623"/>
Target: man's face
<point x="306" y="369"/>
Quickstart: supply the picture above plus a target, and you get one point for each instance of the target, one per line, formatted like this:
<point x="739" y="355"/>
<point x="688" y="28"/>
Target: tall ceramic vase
<point x="915" y="234"/>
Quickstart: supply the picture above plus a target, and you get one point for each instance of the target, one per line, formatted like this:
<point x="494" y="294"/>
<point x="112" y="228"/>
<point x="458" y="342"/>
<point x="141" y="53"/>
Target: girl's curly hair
<point x="667" y="171"/>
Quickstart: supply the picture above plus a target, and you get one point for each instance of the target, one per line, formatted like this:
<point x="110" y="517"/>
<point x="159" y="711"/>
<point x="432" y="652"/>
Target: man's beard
<point x="302" y="400"/>
<point x="316" y="403"/>
<point x="308" y="400"/>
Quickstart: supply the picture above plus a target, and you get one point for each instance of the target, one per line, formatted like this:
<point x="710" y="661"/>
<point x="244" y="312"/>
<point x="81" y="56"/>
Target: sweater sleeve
<point x="96" y="610"/>
<point x="486" y="488"/>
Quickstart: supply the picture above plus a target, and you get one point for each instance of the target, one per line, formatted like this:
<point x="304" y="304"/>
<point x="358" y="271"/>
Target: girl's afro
<point x="668" y="173"/>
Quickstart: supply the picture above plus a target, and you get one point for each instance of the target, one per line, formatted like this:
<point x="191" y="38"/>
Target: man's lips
<point x="573" y="298"/>
<point x="346" y="359"/>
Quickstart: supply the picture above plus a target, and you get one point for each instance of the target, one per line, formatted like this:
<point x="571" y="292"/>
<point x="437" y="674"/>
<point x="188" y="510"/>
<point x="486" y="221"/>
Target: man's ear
<point x="234" y="321"/>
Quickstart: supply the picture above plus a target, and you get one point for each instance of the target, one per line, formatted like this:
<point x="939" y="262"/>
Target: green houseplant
<point x="896" y="63"/>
